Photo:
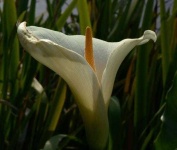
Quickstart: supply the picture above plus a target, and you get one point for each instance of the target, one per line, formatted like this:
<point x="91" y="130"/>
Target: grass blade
<point x="84" y="18"/>
<point x="164" y="40"/>
<point x="62" y="20"/>
<point x="167" y="138"/>
<point x="141" y="92"/>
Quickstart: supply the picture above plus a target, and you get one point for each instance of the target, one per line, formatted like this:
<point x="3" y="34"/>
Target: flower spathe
<point x="92" y="88"/>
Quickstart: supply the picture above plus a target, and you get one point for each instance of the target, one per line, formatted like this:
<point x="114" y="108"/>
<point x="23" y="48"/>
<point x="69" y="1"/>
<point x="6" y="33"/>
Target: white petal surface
<point x="76" y="43"/>
<point x="74" y="69"/>
<point x="116" y="58"/>
<point x="71" y="66"/>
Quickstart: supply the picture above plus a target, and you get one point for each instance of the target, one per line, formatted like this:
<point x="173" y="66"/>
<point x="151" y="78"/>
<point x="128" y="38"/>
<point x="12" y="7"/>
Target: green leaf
<point x="114" y="113"/>
<point x="57" y="104"/>
<point x="84" y="18"/>
<point x="62" y="20"/>
<point x="55" y="142"/>
<point x="56" y="107"/>
<point x="164" y="40"/>
<point x="22" y="6"/>
<point x="52" y="143"/>
<point x="105" y="11"/>
<point x="141" y="103"/>
<point x="31" y="17"/>
<point x="10" y="46"/>
<point x="167" y="138"/>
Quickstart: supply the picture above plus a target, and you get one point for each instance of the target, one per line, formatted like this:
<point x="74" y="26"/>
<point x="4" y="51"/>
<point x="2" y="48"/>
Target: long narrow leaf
<point x="167" y="138"/>
<point x="62" y="20"/>
<point x="11" y="45"/>
<point x="141" y="92"/>
<point x="164" y="40"/>
<point x="84" y="18"/>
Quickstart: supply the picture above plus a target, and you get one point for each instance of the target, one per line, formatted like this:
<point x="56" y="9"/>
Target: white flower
<point x="90" y="73"/>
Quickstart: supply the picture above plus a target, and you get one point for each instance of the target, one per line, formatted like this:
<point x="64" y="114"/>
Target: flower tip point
<point x="88" y="27"/>
<point x="148" y="34"/>
<point x="88" y="31"/>
<point x="21" y="26"/>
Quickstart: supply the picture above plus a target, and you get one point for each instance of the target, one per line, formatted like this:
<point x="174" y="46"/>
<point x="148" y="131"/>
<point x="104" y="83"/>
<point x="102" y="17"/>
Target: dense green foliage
<point x="37" y="109"/>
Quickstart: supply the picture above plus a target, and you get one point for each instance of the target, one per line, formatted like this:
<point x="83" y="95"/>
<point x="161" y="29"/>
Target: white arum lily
<point x="89" y="67"/>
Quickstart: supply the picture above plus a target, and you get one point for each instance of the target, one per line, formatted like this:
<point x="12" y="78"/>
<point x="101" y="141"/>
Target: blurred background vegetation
<point x="37" y="110"/>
